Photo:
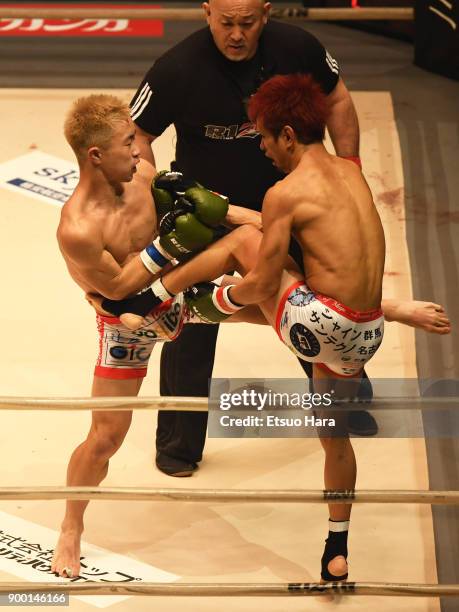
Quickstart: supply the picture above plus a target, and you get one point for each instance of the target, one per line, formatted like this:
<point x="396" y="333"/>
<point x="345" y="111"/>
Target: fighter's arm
<point x="84" y="250"/>
<point x="264" y="279"/>
<point x="343" y="124"/>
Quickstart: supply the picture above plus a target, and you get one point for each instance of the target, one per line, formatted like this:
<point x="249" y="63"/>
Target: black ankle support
<point x="335" y="545"/>
<point x="140" y="304"/>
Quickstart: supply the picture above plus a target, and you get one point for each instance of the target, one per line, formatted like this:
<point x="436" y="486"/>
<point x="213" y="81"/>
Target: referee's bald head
<point x="236" y="26"/>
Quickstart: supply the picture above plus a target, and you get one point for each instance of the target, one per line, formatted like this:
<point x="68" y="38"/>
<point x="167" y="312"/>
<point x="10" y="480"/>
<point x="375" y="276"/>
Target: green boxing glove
<point x="209" y="207"/>
<point x="189" y="226"/>
<point x="210" y="302"/>
<point x="166" y="188"/>
<point x="187" y="213"/>
<point x="188" y="236"/>
<point x="163" y="198"/>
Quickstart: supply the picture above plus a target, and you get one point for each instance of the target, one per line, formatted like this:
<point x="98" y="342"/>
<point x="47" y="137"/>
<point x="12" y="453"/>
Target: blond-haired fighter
<point x="107" y="237"/>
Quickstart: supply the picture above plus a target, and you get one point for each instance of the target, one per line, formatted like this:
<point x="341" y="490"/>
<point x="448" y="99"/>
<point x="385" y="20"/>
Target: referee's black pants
<point x="186" y="369"/>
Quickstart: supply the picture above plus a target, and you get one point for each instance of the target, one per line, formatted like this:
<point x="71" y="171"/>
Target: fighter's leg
<point x="238" y="250"/>
<point x="424" y="315"/>
<point x="427" y="316"/>
<point x="88" y="466"/>
<point x="339" y="473"/>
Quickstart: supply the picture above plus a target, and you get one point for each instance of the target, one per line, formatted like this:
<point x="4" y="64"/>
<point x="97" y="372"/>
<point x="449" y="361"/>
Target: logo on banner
<point x="26" y="551"/>
<point x="81" y="27"/>
<point x="41" y="176"/>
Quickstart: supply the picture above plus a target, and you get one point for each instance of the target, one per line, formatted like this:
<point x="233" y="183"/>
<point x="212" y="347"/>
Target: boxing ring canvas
<point x="49" y="348"/>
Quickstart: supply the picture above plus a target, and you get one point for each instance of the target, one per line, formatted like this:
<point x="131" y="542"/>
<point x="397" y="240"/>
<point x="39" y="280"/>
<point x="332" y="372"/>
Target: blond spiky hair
<point x="91" y="121"/>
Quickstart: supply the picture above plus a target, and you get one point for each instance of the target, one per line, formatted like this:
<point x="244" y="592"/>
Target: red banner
<point x="81" y="27"/>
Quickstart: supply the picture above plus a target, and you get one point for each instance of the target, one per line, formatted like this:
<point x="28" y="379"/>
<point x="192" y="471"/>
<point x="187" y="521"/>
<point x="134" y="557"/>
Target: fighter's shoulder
<point x="76" y="232"/>
<point x="280" y="196"/>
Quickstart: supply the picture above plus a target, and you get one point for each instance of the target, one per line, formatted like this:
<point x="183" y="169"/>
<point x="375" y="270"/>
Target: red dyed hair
<point x="295" y="100"/>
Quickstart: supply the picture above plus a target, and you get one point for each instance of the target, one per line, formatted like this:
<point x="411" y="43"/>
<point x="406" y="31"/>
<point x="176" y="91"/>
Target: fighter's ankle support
<point x="140" y="304"/>
<point x="335" y="545"/>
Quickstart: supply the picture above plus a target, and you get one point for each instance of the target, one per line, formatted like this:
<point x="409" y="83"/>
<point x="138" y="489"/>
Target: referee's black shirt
<point x="203" y="94"/>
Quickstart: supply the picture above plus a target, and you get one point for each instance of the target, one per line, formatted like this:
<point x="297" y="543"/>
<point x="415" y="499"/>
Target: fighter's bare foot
<point x="428" y="316"/>
<point x="131" y="320"/>
<point x="128" y="319"/>
<point x="337" y="567"/>
<point x="66" y="558"/>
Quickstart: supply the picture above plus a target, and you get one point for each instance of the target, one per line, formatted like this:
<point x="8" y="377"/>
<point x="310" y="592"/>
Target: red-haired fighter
<point x="332" y="315"/>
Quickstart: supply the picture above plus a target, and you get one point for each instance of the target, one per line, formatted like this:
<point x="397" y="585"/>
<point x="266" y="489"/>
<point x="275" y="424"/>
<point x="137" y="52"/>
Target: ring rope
<point x="180" y="14"/>
<point x="287" y="589"/>
<point x="188" y="404"/>
<point x="233" y="495"/>
<point x="198" y="404"/>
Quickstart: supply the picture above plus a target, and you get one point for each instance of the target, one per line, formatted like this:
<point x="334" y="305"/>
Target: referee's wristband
<point x="354" y="159"/>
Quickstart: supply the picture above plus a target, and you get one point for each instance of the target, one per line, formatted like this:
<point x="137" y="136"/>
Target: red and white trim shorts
<point x="124" y="353"/>
<point x="319" y="329"/>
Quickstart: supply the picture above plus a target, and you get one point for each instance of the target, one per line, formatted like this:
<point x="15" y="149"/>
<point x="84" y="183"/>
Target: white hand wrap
<point x="154" y="257"/>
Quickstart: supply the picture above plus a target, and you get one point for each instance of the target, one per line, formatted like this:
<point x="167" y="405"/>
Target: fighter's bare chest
<point x="129" y="230"/>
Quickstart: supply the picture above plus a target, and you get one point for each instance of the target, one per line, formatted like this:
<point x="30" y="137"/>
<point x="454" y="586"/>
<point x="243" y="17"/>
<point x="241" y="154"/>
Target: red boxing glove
<point x="356" y="160"/>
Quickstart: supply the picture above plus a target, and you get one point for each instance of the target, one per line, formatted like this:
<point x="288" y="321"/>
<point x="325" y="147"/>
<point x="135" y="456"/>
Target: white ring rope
<point x="198" y="404"/>
<point x="233" y="495"/>
<point x="292" y="589"/>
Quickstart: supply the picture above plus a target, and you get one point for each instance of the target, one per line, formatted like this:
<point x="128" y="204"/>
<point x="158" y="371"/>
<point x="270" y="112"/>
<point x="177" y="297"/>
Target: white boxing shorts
<point x="124" y="353"/>
<point x="319" y="329"/>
